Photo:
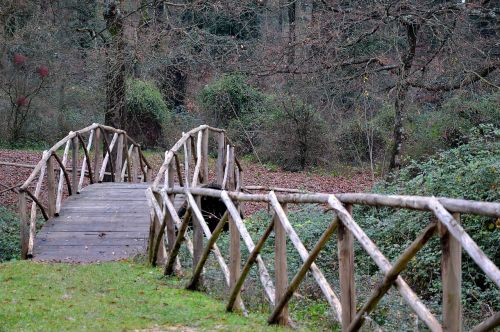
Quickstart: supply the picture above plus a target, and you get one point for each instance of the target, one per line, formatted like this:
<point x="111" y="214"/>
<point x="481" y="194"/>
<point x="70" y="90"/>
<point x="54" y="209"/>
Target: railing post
<point x="161" y="253"/>
<point x="74" y="163"/>
<point x="346" y="273"/>
<point x="235" y="241"/>
<point x="119" y="158"/>
<point x="280" y="265"/>
<point x="451" y="275"/>
<point x="171" y="236"/>
<point x="97" y="154"/>
<point x="24" y="224"/>
<point x="221" y="148"/>
<point x="136" y="163"/>
<point x="204" y="156"/>
<point x="51" y="187"/>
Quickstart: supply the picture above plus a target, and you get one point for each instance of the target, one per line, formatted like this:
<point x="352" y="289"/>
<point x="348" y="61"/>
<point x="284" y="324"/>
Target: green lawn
<point x="113" y="296"/>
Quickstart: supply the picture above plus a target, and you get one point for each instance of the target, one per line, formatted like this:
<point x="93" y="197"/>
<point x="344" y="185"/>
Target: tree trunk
<point x="402" y="91"/>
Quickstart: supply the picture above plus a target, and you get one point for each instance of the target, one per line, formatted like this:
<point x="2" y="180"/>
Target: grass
<point x="116" y="296"/>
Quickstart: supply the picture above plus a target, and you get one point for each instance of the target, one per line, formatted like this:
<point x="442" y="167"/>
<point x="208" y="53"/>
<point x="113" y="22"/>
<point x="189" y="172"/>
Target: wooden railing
<point x="445" y="223"/>
<point x="106" y="152"/>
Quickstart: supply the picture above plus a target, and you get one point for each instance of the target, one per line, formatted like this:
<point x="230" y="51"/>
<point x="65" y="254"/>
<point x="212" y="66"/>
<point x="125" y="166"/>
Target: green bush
<point x="230" y="102"/>
<point x="470" y="171"/>
<point x="9" y="235"/>
<point x="148" y="116"/>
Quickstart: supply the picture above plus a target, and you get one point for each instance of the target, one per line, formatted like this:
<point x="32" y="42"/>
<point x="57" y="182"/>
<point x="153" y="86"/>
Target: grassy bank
<point x="114" y="296"/>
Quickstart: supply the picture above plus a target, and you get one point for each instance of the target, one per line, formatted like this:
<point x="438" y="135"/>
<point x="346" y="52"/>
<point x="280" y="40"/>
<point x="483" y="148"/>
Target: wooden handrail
<point x="228" y="173"/>
<point x="63" y="169"/>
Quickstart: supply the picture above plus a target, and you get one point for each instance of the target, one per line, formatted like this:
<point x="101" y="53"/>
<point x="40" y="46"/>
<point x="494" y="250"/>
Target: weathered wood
<point x="297" y="279"/>
<point x="37" y="203"/>
<point x="196" y="173"/>
<point x="24" y="224"/>
<point x="229" y="168"/>
<point x="181" y="235"/>
<point x="135" y="160"/>
<point x="235" y="290"/>
<point x="108" y="157"/>
<point x="127" y="168"/>
<point x="199" y="218"/>
<point x="195" y="278"/>
<point x="465" y="240"/>
<point x="62" y="175"/>
<point x="119" y="157"/>
<point x="280" y="268"/>
<point x="64" y="238"/>
<point x="187" y="155"/>
<point x="391" y="275"/>
<point x="488" y="324"/>
<point x="204" y="157"/>
<point x="178" y="169"/>
<point x="346" y="273"/>
<point x="5" y="163"/>
<point x="265" y="279"/>
<point x="51" y="187"/>
<point x="330" y="295"/>
<point x="32" y="231"/>
<point x="86" y="162"/>
<point x="451" y="276"/>
<point x="219" y="168"/>
<point x="404" y="202"/>
<point x="97" y="153"/>
<point x="367" y="244"/>
<point x="74" y="162"/>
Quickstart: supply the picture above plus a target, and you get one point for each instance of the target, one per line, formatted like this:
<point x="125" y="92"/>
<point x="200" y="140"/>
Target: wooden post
<point x="97" y="154"/>
<point x="171" y="237"/>
<point x="204" y="156"/>
<point x="197" y="238"/>
<point x="235" y="241"/>
<point x="161" y="253"/>
<point x="74" y="164"/>
<point x="119" y="158"/>
<point x="280" y="265"/>
<point x="51" y="188"/>
<point x="135" y="161"/>
<point x="451" y="275"/>
<point x="24" y="226"/>
<point x="346" y="273"/>
<point x="221" y="148"/>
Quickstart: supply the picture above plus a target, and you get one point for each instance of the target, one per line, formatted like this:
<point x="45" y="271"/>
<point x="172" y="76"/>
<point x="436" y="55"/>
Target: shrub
<point x="147" y="113"/>
<point x="9" y="235"/>
<point x="469" y="171"/>
<point x="294" y="135"/>
<point x="230" y="102"/>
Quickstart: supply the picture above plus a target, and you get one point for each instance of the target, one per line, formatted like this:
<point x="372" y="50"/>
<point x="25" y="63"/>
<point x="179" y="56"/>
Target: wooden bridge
<point x="120" y="210"/>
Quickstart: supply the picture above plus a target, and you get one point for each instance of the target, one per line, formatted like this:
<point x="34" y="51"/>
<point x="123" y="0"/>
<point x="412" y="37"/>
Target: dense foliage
<point x="148" y="114"/>
<point x="9" y="235"/>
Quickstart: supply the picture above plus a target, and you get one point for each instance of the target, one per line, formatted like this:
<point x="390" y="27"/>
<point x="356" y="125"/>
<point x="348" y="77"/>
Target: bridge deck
<point x="105" y="222"/>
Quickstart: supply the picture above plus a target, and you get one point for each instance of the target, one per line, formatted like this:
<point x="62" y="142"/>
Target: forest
<point x="383" y="96"/>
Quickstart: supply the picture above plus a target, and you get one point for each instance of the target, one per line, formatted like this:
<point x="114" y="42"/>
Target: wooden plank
<point x="91" y="242"/>
<point x="280" y="266"/>
<point x="346" y="273"/>
<point x="451" y="276"/>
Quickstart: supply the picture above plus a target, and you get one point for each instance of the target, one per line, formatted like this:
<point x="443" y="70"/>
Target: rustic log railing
<point x="124" y="156"/>
<point x="168" y="232"/>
